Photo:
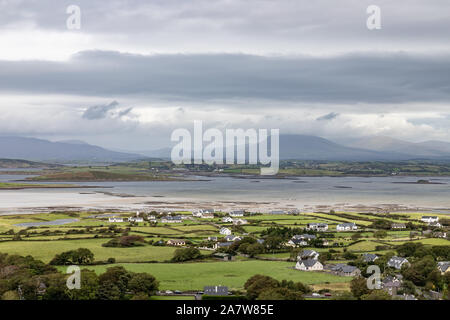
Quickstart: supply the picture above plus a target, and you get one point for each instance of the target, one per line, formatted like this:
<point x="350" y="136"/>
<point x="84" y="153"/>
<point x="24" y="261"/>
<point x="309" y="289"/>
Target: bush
<point x="185" y="254"/>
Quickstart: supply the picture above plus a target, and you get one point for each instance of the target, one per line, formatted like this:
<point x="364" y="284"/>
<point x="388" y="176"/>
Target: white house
<point x="308" y="254"/>
<point x="169" y="219"/>
<point x="397" y="262"/>
<point x="296" y="243"/>
<point x="240" y="221"/>
<point x="206" y="216"/>
<point x="227" y="219"/>
<point x="237" y="213"/>
<point x="309" y="265"/>
<point x="349" y="226"/>
<point x="225" y="231"/>
<point x="232" y="238"/>
<point x="429" y="219"/>
<point x="135" y="219"/>
<point x="317" y="226"/>
<point x="115" y="219"/>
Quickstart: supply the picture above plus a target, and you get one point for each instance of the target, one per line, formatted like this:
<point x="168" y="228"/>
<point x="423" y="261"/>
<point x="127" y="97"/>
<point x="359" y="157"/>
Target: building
<point x="306" y="237"/>
<point x="225" y="231"/>
<point x="308" y="254"/>
<point x="240" y="222"/>
<point x="369" y="257"/>
<point x="345" y="270"/>
<point x="232" y="238"/>
<point x="115" y="219"/>
<point x="435" y="224"/>
<point x="219" y="245"/>
<point x="309" y="265"/>
<point x="444" y="266"/>
<point x="223" y="256"/>
<point x="397" y="262"/>
<point x="176" y="242"/>
<point x="237" y="213"/>
<point x="227" y="219"/>
<point x="216" y="290"/>
<point x="207" y="216"/>
<point x="350" y="226"/>
<point x="391" y="285"/>
<point x="429" y="219"/>
<point x="398" y="226"/>
<point x="136" y="219"/>
<point x="170" y="219"/>
<point x="296" y="243"/>
<point x="278" y="212"/>
<point x="317" y="226"/>
<point x="212" y="238"/>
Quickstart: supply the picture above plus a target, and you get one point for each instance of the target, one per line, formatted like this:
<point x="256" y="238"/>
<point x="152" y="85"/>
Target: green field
<point x="194" y="276"/>
<point x="46" y="250"/>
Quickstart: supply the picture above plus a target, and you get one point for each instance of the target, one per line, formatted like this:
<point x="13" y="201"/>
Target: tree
<point x="358" y="287"/>
<point x="185" y="254"/>
<point x="81" y="256"/>
<point x="257" y="284"/>
<point x="380" y="234"/>
<point x="113" y="283"/>
<point x="280" y="294"/>
<point x="377" y="295"/>
<point x="356" y="236"/>
<point x="143" y="283"/>
<point x="89" y="286"/>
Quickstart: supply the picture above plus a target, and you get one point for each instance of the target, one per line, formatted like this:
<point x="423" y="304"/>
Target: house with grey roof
<point x="398" y="226"/>
<point x="345" y="270"/>
<point x="309" y="265"/>
<point x="237" y="213"/>
<point x="296" y="243"/>
<point x="444" y="266"/>
<point x="219" y="245"/>
<point x="215" y="290"/>
<point x="391" y="285"/>
<point x="317" y="226"/>
<point x="429" y="219"/>
<point x="349" y="226"/>
<point x="232" y="238"/>
<point x="397" y="262"/>
<point x="369" y="257"/>
<point x="308" y="254"/>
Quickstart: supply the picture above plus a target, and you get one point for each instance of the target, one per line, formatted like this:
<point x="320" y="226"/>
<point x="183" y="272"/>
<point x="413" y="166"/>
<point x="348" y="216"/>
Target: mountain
<point x="427" y="149"/>
<point x="304" y="147"/>
<point x="44" y="150"/>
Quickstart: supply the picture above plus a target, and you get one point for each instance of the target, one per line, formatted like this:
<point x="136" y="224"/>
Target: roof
<point x="344" y="268"/>
<point x="444" y="265"/>
<point x="396" y="262"/>
<point x="308" y="262"/>
<point x="224" y="244"/>
<point x="369" y="257"/>
<point x="307" y="253"/>
<point x="427" y="217"/>
<point x="347" y="224"/>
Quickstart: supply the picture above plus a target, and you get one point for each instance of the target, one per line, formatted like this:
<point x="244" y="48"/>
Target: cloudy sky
<point x="136" y="70"/>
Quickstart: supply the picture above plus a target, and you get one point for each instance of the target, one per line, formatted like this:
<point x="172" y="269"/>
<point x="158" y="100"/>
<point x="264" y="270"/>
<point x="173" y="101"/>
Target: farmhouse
<point x="240" y="222"/>
<point x="397" y="262"/>
<point x="444" y="266"/>
<point x="207" y="216"/>
<point x="391" y="285"/>
<point x="232" y="238"/>
<point x="317" y="226"/>
<point x="429" y="219"/>
<point x="169" y="219"/>
<point x="225" y="231"/>
<point x="278" y="212"/>
<point x="237" y="213"/>
<point x="219" y="245"/>
<point x="307" y="237"/>
<point x="346" y="226"/>
<point x="369" y="257"/>
<point x="398" y="226"/>
<point x="215" y="290"/>
<point x="176" y="242"/>
<point x="435" y="224"/>
<point x="309" y="265"/>
<point x="308" y="254"/>
<point x="223" y="256"/>
<point x="115" y="219"/>
<point x="345" y="270"/>
<point x="136" y="219"/>
<point x="227" y="219"/>
<point x="296" y="243"/>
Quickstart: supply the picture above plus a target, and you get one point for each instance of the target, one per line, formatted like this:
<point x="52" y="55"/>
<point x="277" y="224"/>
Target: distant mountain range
<point x="299" y="147"/>
<point x="44" y="150"/>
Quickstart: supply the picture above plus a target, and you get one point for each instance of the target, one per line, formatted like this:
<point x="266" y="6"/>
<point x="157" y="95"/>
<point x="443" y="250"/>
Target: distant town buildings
<point x="349" y="226"/>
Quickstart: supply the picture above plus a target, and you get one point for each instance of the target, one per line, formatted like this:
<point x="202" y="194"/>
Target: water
<point x="303" y="191"/>
<point x="57" y="222"/>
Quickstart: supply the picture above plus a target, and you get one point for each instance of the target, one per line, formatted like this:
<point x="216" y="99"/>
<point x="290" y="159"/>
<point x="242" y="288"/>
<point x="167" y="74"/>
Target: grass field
<point x="46" y="250"/>
<point x="194" y="276"/>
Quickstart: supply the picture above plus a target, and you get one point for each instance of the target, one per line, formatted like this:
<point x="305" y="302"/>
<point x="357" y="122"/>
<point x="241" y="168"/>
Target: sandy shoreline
<point x="111" y="202"/>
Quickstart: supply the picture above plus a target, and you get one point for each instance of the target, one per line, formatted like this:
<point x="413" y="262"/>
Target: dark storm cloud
<point x="384" y="78"/>
<point x="329" y="116"/>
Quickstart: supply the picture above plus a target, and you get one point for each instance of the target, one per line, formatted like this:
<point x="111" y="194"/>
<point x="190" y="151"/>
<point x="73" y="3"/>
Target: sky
<point x="136" y="70"/>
